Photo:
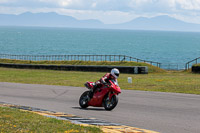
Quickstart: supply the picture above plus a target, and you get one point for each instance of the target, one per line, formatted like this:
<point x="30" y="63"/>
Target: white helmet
<point x="115" y="72"/>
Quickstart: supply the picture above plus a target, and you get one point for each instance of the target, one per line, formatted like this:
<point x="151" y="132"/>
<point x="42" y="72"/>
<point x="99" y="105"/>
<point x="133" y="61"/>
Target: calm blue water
<point x="163" y="47"/>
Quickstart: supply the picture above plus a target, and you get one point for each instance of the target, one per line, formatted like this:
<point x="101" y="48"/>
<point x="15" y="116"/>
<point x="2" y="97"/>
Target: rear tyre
<point x="84" y="99"/>
<point x="110" y="104"/>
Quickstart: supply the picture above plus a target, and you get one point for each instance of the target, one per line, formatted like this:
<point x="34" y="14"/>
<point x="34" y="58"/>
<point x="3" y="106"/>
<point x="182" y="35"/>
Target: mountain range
<point x="51" y="19"/>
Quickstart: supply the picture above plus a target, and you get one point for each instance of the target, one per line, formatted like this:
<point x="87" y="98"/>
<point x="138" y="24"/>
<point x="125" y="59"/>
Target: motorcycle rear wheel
<point x="83" y="101"/>
<point x="110" y="104"/>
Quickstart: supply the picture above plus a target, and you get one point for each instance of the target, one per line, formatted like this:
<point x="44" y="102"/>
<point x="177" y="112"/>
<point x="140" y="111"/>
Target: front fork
<point x="110" y="94"/>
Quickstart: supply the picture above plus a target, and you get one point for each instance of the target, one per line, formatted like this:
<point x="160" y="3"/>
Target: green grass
<point x="196" y="64"/>
<point x="152" y="69"/>
<point x="14" y="120"/>
<point x="171" y="81"/>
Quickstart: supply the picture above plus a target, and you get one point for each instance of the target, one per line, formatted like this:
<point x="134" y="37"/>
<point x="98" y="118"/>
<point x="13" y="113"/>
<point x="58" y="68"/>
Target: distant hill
<point x="47" y="20"/>
<point x="164" y="23"/>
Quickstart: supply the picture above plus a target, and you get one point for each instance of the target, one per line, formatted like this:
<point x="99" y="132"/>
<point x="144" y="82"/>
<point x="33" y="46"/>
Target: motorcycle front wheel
<point x="83" y="101"/>
<point x="110" y="104"/>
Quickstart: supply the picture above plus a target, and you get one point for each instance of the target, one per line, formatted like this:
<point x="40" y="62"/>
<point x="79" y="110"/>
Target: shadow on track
<point x="95" y="109"/>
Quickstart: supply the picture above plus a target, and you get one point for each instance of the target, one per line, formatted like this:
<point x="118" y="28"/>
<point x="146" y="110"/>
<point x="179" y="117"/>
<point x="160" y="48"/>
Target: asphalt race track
<point x="162" y="112"/>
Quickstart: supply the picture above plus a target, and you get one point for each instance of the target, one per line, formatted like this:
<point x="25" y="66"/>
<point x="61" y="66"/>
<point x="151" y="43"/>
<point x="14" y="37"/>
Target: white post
<point x="130" y="80"/>
<point x="135" y="70"/>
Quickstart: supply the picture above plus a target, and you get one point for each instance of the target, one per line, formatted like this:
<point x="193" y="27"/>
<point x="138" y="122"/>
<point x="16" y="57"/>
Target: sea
<point x="172" y="49"/>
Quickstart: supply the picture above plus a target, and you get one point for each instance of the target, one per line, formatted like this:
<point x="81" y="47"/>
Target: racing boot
<point x="91" y="90"/>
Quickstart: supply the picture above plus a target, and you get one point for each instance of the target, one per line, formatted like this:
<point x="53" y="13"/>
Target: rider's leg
<point x="95" y="86"/>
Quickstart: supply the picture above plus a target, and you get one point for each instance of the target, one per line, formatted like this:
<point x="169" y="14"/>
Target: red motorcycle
<point x="105" y="96"/>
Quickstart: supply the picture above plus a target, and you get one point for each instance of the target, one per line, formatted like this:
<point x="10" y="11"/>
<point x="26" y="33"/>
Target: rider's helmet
<point x="115" y="72"/>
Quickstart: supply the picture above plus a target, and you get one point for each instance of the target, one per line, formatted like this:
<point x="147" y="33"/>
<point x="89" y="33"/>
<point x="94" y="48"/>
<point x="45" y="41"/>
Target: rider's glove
<point x="104" y="82"/>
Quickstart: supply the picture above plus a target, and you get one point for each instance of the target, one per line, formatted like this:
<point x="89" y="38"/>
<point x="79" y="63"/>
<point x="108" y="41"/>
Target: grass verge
<point x="177" y="82"/>
<point x="196" y="64"/>
<point x="14" y="120"/>
<point x="151" y="68"/>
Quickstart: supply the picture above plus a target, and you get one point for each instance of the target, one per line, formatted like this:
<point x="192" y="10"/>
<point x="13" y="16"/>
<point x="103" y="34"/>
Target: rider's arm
<point x="116" y="82"/>
<point x="104" y="78"/>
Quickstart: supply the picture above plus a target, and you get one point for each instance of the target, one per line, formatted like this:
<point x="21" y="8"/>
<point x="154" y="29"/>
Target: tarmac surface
<point x="161" y="112"/>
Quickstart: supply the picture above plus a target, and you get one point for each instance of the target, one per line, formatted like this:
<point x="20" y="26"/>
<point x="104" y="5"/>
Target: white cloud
<point x="61" y="3"/>
<point x="3" y="1"/>
<point x="94" y="5"/>
<point x="189" y="4"/>
<point x="110" y="5"/>
<point x="7" y="1"/>
<point x="108" y="11"/>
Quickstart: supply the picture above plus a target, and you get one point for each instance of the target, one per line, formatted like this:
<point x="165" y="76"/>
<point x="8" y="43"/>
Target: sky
<point x="108" y="11"/>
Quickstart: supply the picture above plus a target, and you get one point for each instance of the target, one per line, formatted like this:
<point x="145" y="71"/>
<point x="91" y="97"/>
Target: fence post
<point x="59" y="57"/>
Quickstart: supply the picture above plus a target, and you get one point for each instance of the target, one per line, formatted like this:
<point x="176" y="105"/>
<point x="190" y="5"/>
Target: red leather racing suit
<point x="105" y="79"/>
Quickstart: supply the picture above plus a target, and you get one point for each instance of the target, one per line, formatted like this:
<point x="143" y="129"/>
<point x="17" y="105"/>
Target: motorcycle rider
<point x="113" y="75"/>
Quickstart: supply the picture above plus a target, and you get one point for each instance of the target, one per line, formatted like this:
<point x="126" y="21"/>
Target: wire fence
<point x="173" y="66"/>
<point x="189" y="64"/>
<point x="108" y="58"/>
